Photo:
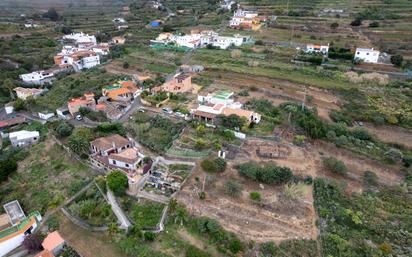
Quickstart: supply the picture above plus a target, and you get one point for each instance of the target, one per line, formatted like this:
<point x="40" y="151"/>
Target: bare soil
<point x="391" y="134"/>
<point x="82" y="240"/>
<point x="277" y="219"/>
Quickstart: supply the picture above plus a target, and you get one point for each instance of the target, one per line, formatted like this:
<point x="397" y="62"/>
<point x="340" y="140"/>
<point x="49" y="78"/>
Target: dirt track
<point x="391" y="134"/>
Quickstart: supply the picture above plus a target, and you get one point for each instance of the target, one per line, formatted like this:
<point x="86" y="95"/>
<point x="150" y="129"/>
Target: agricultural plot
<point x="92" y="208"/>
<point x="38" y="183"/>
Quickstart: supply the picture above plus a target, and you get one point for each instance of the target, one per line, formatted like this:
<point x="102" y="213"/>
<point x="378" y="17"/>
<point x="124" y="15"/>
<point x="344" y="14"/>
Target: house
<point x="118" y="40"/>
<point x="45" y="115"/>
<point x="119" y="20"/>
<point x="101" y="49"/>
<point x="10" y="122"/>
<point x="86" y="101"/>
<point x="37" y="77"/>
<point x="24" y="93"/>
<point x="198" y="39"/>
<point x="110" y="144"/>
<point x="121" y="91"/>
<point x="219" y="97"/>
<point x="24" y="138"/>
<point x="79" y="59"/>
<point x="367" y="55"/>
<point x="63" y="113"/>
<point x="221" y="103"/>
<point x="53" y="243"/>
<point x="81" y="40"/>
<point x="243" y="19"/>
<point x="251" y="117"/>
<point x="191" y="68"/>
<point x="320" y="49"/>
<point x="116" y="152"/>
<point x="180" y="83"/>
<point x="15" y="225"/>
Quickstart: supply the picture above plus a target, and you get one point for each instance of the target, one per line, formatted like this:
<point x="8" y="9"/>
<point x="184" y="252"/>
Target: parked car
<point x="179" y="115"/>
<point x="167" y="110"/>
<point x="141" y="109"/>
<point x="79" y="117"/>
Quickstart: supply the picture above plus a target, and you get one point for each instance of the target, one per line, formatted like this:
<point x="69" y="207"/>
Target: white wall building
<point x="368" y="55"/>
<point x="36" y="77"/>
<point x="314" y="48"/>
<point x="24" y="138"/>
<point x="81" y="39"/>
<point x="17" y="227"/>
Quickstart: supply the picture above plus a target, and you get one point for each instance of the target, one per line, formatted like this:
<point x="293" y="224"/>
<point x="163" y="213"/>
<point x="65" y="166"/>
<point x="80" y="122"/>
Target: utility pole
<point x="287" y="7"/>
<point x="291" y="35"/>
<point x="304" y="99"/>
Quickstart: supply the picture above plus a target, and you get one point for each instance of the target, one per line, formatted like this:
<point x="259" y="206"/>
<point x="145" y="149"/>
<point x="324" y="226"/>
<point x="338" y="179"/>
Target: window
<point x="358" y="53"/>
<point x="367" y="53"/>
<point x="114" y="162"/>
<point x="127" y="165"/>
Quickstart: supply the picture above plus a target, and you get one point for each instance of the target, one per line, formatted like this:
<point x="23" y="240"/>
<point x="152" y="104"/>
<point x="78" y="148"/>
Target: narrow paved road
<point x="121" y="216"/>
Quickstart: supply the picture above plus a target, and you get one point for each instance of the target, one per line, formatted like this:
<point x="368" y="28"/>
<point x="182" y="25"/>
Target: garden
<point x="155" y="132"/>
<point x="92" y="208"/>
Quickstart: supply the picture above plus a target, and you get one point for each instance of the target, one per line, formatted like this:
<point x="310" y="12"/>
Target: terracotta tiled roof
<point x="52" y="241"/>
<point x="129" y="155"/>
<point x="204" y="114"/>
<point x="11" y="122"/>
<point x="106" y="143"/>
<point x="238" y="112"/>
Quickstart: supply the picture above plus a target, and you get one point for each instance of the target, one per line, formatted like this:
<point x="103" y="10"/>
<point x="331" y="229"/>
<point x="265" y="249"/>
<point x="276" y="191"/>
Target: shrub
<point x="236" y="53"/>
<point x="294" y="191"/>
<point x="117" y="182"/>
<point x="149" y="236"/>
<point x="334" y="165"/>
<point x="214" y="165"/>
<point x="356" y="22"/>
<point x="255" y="196"/>
<point x="268" y="249"/>
<point x="235" y="246"/>
<point x="193" y="251"/>
<point x="269" y="173"/>
<point x="7" y="167"/>
<point x="334" y="25"/>
<point x="370" y="178"/>
<point x="64" y="129"/>
<point x="374" y="24"/>
<point x="397" y="60"/>
<point x="233" y="188"/>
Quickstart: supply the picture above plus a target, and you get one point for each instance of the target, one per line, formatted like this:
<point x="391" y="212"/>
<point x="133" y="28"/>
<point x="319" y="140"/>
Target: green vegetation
<point x="45" y="178"/>
<point x="117" y="182"/>
<point x="216" y="165"/>
<point x="334" y="165"/>
<point x="92" y="208"/>
<point x="146" y="214"/>
<point x="368" y="224"/>
<point x="156" y="132"/>
<point x="233" y="188"/>
<point x="268" y="173"/>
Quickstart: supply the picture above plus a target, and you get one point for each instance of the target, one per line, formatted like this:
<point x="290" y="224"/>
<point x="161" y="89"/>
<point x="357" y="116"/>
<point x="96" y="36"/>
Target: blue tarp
<point x="155" y="23"/>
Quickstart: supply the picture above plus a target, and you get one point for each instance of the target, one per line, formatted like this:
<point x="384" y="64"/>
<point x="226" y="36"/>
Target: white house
<point x="23" y="138"/>
<point x="367" y="55"/>
<point x="63" y="113"/>
<point x="15" y="226"/>
<point x="202" y="39"/>
<point x="90" y="62"/>
<point x="24" y="93"/>
<point x="45" y="115"/>
<point x="36" y="77"/>
<point x="81" y="39"/>
<point x="315" y="48"/>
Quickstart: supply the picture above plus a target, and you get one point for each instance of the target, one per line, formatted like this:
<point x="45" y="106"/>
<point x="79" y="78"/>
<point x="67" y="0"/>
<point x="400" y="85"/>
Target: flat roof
<point x="222" y="94"/>
<point x="15" y="212"/>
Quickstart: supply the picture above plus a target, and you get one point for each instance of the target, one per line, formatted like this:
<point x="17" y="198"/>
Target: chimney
<point x="114" y="146"/>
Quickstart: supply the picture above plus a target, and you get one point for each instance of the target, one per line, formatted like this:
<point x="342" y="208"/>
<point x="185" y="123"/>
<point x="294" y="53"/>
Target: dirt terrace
<point x="276" y="219"/>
